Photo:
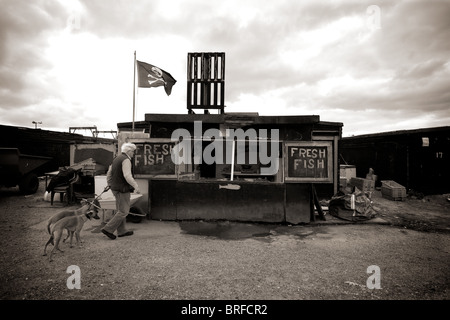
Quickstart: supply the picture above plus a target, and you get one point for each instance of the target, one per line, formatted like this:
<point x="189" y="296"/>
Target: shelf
<point x="244" y="174"/>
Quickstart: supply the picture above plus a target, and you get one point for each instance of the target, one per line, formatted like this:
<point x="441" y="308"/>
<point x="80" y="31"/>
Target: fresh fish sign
<point x="308" y="161"/>
<point x="153" y="157"/>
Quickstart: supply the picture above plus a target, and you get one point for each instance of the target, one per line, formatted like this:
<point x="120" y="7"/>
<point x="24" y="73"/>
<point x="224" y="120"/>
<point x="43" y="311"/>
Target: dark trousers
<point x="118" y="221"/>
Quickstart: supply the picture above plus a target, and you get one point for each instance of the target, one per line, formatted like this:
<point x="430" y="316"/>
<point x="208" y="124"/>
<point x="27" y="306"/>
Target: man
<point x="120" y="180"/>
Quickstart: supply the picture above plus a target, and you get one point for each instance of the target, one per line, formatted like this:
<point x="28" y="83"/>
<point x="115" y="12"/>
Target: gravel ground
<point x="199" y="260"/>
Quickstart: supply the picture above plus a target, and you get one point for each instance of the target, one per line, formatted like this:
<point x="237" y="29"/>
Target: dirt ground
<point x="200" y="260"/>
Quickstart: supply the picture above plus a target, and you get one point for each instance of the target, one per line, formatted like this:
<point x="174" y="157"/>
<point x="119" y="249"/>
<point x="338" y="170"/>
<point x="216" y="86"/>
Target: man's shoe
<point x="108" y="234"/>
<point x="128" y="233"/>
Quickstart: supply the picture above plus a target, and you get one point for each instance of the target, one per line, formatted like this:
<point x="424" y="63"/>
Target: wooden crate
<point x="365" y="185"/>
<point x="393" y="190"/>
<point x="206" y="81"/>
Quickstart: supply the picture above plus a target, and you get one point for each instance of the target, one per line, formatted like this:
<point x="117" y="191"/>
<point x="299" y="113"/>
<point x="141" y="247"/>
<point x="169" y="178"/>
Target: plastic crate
<point x="393" y="190"/>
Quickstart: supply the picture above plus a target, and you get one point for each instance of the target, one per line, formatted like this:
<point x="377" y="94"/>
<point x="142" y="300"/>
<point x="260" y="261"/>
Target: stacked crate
<point x="365" y="185"/>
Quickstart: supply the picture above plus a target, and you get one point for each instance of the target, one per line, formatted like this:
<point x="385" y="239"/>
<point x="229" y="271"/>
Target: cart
<point x="20" y="169"/>
<point x="108" y="202"/>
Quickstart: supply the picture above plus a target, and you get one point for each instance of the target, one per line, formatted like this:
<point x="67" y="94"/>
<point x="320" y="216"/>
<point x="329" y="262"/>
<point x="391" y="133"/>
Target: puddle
<point x="237" y="230"/>
<point x="264" y="234"/>
<point x="225" y="230"/>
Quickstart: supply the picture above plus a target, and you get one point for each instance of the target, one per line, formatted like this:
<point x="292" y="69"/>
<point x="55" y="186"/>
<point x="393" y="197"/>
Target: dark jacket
<point x="118" y="182"/>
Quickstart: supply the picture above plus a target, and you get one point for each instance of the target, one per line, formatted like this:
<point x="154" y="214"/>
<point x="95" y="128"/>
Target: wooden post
<point x="134" y="88"/>
<point x="232" y="161"/>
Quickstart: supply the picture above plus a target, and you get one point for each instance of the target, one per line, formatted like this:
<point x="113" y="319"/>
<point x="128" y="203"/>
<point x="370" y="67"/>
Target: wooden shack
<point x="64" y="148"/>
<point x="239" y="166"/>
<point x="91" y="154"/>
<point x="416" y="159"/>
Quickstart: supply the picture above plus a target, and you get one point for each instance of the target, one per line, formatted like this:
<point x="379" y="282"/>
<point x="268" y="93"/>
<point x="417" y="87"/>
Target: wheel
<point x="29" y="184"/>
<point x="136" y="215"/>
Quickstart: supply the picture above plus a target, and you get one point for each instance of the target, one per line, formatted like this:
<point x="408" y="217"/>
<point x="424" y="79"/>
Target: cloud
<point x="24" y="28"/>
<point x="282" y="57"/>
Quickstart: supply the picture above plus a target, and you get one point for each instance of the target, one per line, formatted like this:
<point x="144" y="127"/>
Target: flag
<point x="150" y="76"/>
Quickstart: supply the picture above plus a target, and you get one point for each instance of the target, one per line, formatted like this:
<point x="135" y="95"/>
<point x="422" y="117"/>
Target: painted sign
<point x="153" y="158"/>
<point x="308" y="161"/>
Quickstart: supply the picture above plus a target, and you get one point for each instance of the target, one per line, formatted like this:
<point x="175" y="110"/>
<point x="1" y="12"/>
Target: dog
<point x="86" y="206"/>
<point x="73" y="224"/>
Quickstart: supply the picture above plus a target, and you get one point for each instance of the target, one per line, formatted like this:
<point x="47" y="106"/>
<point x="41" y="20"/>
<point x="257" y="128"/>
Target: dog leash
<point x="96" y="198"/>
<point x="99" y="208"/>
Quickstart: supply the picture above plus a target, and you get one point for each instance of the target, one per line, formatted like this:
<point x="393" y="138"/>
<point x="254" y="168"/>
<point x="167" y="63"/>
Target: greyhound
<point x="73" y="224"/>
<point x="86" y="206"/>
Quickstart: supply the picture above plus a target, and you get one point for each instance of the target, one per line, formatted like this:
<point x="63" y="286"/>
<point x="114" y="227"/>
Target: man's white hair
<point x="128" y="146"/>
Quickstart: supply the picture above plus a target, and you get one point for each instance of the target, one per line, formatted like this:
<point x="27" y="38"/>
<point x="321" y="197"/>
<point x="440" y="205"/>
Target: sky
<point x="375" y="66"/>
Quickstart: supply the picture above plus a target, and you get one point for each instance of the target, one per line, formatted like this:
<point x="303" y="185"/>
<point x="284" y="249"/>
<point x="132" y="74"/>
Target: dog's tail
<point x="49" y="222"/>
<point x="50" y="241"/>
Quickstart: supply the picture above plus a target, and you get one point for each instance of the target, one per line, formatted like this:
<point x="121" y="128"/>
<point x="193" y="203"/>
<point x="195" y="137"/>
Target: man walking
<point x="120" y="180"/>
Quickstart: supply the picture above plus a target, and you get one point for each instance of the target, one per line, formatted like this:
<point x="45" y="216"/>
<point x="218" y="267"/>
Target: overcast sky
<point x="375" y="65"/>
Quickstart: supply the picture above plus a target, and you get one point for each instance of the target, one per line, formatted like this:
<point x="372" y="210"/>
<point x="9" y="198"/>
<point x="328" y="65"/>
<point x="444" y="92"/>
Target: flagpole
<point x="134" y="87"/>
